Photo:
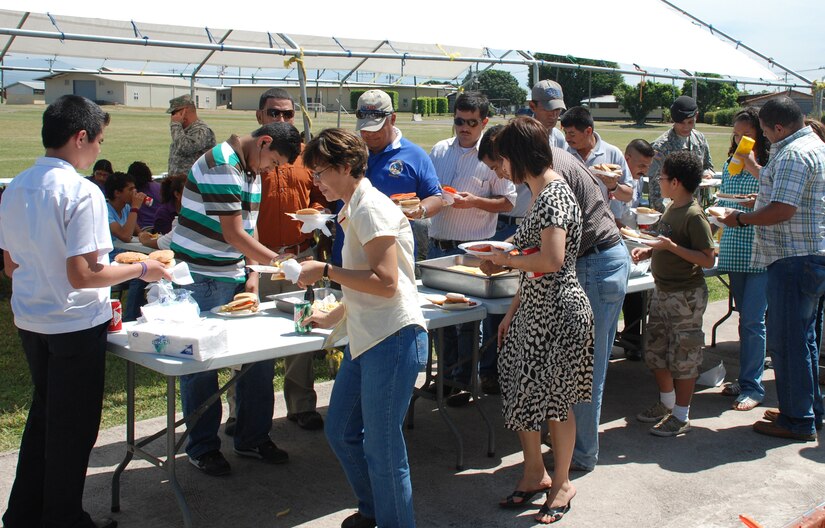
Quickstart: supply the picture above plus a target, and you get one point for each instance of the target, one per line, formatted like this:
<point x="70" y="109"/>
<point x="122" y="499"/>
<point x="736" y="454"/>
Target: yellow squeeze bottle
<point x="737" y="161"/>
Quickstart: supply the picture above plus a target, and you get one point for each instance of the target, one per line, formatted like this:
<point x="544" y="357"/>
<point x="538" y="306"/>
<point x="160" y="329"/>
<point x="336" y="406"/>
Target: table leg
<point x="171" y="451"/>
<point x="439" y="399"/>
<point x="724" y="317"/>
<point x="428" y="380"/>
<point x="475" y="391"/>
<point x="130" y="435"/>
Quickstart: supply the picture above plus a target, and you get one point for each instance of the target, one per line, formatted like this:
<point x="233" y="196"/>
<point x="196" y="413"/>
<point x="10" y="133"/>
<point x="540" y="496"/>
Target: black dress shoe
<point x="309" y="420"/>
<point x="356" y="520"/>
<point x="105" y="522"/>
<point x="459" y="400"/>
<point x="229" y="428"/>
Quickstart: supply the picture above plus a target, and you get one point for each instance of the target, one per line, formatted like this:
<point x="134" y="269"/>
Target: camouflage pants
<point x="674" y="331"/>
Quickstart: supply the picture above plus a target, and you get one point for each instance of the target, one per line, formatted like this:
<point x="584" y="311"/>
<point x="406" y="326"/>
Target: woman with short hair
<point x="386" y="329"/>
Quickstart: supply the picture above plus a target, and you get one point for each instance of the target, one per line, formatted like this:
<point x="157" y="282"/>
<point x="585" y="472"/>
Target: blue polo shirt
<point x="402" y="167"/>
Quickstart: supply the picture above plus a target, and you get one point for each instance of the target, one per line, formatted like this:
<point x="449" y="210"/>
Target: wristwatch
<point x="739" y="220"/>
<point x="423" y="211"/>
<point x="326" y="270"/>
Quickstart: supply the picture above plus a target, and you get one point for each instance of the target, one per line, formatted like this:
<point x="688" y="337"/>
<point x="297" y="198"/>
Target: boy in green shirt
<point x="674" y="333"/>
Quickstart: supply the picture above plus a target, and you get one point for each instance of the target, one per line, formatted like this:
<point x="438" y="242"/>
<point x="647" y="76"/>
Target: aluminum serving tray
<point x="434" y="274"/>
<point x="283" y="303"/>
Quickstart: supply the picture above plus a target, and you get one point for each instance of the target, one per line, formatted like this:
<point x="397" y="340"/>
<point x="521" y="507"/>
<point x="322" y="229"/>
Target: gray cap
<point x="179" y="102"/>
<point x="374" y="107"/>
<point x="549" y="94"/>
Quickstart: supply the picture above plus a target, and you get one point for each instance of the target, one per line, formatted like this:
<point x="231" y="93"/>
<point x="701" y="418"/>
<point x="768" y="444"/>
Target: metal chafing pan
<point x="434" y="274"/>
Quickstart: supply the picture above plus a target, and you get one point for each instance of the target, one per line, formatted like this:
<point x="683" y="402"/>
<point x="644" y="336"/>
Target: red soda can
<point x="148" y="201"/>
<point x="532" y="274"/>
<point x="116" y="323"/>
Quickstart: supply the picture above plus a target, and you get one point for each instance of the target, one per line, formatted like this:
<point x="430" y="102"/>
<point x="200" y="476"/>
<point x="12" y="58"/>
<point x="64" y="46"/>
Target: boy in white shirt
<point x="54" y="230"/>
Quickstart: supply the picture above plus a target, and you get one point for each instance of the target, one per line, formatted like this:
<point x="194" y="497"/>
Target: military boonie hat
<point x="549" y="94"/>
<point x="180" y="102"/>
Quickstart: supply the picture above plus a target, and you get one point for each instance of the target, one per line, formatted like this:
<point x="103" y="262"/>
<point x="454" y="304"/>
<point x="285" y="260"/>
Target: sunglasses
<point x="365" y="114"/>
<point x="275" y="113"/>
<point x="472" y="123"/>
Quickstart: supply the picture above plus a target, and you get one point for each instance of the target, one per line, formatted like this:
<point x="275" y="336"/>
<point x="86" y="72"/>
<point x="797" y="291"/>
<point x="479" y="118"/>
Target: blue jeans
<point x="134" y="300"/>
<point x="255" y="397"/>
<point x="751" y="300"/>
<point x="458" y="339"/>
<point x="364" y="424"/>
<point x="603" y="276"/>
<point x="795" y="285"/>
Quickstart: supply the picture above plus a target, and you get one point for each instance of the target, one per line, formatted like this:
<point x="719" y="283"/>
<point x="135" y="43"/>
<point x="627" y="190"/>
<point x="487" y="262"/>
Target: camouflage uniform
<point x="188" y="144"/>
<point x="674" y="331"/>
<point x="664" y="145"/>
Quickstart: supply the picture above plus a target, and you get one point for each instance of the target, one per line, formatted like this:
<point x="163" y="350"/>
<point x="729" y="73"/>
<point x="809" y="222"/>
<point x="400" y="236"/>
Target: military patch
<point x="396" y="167"/>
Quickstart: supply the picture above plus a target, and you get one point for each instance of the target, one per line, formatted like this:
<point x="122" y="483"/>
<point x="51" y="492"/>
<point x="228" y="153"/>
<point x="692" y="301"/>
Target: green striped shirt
<point x="217" y="186"/>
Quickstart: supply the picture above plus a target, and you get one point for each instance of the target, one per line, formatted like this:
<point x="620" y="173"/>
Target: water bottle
<point x="737" y="161"/>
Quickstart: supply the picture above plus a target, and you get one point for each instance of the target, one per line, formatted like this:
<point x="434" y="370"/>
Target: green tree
<point x="653" y="95"/>
<point x="711" y="95"/>
<point x="497" y="84"/>
<point x="578" y="84"/>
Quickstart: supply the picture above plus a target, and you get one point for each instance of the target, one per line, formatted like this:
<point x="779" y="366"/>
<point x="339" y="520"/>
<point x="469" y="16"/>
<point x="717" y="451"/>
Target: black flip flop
<point x="525" y="496"/>
<point x="555" y="514"/>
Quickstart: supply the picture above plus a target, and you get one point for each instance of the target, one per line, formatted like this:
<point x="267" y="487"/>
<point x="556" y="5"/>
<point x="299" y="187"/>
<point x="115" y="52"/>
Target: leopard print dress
<point x="546" y="361"/>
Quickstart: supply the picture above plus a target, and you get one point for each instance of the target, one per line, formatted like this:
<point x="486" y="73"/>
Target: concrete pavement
<point x="704" y="478"/>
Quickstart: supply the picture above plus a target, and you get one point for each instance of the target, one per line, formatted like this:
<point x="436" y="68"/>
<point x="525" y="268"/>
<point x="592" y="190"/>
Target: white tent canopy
<point x="647" y="33"/>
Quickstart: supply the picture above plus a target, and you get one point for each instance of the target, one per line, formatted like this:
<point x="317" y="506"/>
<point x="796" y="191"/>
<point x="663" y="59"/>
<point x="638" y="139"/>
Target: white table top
<point x="134" y="245"/>
<point x="270" y="334"/>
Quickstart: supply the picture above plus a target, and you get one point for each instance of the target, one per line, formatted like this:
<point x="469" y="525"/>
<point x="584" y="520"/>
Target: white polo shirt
<point x="371" y="319"/>
<point x="49" y="213"/>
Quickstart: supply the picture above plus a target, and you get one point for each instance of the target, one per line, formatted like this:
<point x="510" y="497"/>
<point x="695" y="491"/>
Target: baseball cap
<point x="179" y="102"/>
<point x="374" y="107"/>
<point x="549" y="94"/>
<point x="683" y="107"/>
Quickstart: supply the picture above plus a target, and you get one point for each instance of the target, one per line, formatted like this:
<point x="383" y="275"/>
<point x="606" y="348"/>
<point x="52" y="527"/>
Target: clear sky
<point x="791" y="32"/>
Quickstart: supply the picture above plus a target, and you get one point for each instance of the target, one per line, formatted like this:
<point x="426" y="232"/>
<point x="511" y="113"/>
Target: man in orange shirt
<point x="286" y="189"/>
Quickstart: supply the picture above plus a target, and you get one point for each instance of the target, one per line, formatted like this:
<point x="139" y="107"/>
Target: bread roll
<point x="164" y="256"/>
<point x="130" y="257"/>
<point x="307" y="212"/>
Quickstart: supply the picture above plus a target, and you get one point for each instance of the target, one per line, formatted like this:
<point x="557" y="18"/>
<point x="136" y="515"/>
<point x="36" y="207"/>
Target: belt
<point x="510" y="220"/>
<point x="446" y="245"/>
<point x="295" y="248"/>
<point x="598" y="248"/>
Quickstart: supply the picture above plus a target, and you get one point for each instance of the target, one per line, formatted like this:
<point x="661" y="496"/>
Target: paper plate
<point x="310" y="218"/>
<point x="503" y="246"/>
<point x="242" y="313"/>
<point x="733" y="200"/>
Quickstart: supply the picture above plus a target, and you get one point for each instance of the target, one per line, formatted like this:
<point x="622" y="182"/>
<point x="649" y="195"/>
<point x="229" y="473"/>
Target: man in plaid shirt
<point x="789" y="216"/>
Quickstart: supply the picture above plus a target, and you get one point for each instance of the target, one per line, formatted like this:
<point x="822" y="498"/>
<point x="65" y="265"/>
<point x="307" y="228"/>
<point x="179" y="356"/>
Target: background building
<point x="26" y="92"/>
<point x="127" y="88"/>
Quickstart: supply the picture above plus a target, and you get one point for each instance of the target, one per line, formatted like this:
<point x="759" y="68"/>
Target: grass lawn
<point x="138" y="134"/>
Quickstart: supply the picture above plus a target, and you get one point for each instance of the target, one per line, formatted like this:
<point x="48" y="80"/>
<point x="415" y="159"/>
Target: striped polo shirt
<point x="217" y="186"/>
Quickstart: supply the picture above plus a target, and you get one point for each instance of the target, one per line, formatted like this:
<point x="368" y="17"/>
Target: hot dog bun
<point x="307" y="212"/>
<point x="409" y="202"/>
<point x="718" y="212"/>
<point x="646" y="210"/>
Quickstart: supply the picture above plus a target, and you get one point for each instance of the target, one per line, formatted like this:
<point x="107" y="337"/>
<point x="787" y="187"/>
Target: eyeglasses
<point x="472" y="123"/>
<point x="365" y="114"/>
<point x="275" y="113"/>
<point x="316" y="176"/>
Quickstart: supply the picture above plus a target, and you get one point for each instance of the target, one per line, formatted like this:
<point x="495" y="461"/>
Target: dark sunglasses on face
<point x="275" y="113"/>
<point x="472" y="123"/>
<point x="364" y="114"/>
